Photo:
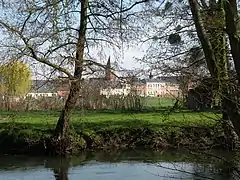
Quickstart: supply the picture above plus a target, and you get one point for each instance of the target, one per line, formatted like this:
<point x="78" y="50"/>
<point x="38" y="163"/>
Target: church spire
<point x="108" y="70"/>
<point x="150" y="75"/>
<point x="109" y="63"/>
<point x="109" y="74"/>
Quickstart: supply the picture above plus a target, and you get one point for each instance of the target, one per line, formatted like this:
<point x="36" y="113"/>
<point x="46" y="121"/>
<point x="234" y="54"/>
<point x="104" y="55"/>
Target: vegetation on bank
<point x="27" y="132"/>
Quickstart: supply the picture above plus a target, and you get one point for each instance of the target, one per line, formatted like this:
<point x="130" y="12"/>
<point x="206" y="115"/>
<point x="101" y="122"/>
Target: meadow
<point x="155" y="126"/>
<point x="108" y="119"/>
<point x="159" y="102"/>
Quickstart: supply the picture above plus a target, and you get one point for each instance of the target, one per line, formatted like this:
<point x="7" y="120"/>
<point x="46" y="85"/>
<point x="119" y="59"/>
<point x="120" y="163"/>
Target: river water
<point x="134" y="165"/>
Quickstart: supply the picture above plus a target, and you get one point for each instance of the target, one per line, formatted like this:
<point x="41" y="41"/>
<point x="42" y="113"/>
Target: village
<point x="129" y="89"/>
<point x="110" y="85"/>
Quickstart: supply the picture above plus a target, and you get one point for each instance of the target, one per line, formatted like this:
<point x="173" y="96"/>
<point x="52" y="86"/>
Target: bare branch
<point x="32" y="51"/>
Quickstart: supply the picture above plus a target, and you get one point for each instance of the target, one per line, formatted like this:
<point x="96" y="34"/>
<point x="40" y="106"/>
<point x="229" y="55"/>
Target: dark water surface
<point x="137" y="165"/>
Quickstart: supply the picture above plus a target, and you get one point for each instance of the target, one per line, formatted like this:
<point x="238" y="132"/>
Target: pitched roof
<point x="105" y="83"/>
<point x="163" y="79"/>
<point x="43" y="86"/>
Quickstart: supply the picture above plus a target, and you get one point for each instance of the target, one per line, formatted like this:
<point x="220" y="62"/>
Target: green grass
<point x="159" y="102"/>
<point x="26" y="132"/>
<point x="45" y="120"/>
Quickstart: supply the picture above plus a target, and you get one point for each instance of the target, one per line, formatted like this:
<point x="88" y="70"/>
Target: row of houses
<point x="108" y="85"/>
<point x="158" y="87"/>
<point x="48" y="88"/>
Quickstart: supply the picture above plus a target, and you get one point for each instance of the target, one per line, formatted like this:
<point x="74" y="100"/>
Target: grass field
<point x="157" y="126"/>
<point x="26" y="132"/>
<point x="111" y="119"/>
<point x="159" y="102"/>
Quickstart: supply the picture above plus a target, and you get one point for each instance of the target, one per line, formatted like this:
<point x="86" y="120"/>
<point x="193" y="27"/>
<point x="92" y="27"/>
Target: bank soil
<point x="27" y="141"/>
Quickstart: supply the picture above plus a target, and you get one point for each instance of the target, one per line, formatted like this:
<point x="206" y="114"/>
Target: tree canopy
<point x="15" y="78"/>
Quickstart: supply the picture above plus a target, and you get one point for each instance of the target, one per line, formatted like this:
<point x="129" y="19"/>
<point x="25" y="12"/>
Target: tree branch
<point x="32" y="51"/>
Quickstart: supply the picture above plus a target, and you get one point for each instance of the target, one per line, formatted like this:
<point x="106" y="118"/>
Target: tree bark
<point x="62" y="127"/>
<point x="233" y="31"/>
<point x="205" y="42"/>
<point x="214" y="48"/>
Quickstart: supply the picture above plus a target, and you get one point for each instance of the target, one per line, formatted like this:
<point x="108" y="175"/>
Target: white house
<point x="42" y="88"/>
<point x="123" y="90"/>
<point x="37" y="95"/>
<point x="158" y="87"/>
<point x="162" y="86"/>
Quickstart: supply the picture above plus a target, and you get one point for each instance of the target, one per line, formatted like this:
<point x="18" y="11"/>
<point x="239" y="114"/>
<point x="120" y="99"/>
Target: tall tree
<point x="214" y="46"/>
<point x="63" y="122"/>
<point x="62" y="35"/>
<point x="211" y="20"/>
<point x="233" y="31"/>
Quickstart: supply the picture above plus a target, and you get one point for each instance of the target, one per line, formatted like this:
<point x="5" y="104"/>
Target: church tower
<point x="109" y="75"/>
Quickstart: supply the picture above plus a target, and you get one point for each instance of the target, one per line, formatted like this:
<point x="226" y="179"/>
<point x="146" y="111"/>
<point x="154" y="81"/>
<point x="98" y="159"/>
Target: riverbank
<point x="27" y="132"/>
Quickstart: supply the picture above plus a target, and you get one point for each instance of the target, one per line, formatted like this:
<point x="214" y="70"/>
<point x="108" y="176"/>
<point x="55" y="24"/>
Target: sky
<point x="127" y="60"/>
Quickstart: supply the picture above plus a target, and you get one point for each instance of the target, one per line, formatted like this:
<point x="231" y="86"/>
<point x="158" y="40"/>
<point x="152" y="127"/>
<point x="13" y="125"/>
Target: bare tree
<point x="62" y="35"/>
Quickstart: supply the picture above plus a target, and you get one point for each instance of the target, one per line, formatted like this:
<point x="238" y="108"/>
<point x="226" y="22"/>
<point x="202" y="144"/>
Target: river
<point x="130" y="165"/>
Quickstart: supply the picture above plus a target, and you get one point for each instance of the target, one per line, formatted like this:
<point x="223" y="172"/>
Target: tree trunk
<point x="233" y="31"/>
<point x="62" y="127"/>
<point x="202" y="35"/>
<point x="214" y="47"/>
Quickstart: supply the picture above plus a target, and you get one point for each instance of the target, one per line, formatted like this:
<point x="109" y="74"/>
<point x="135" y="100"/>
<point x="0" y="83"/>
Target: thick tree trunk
<point x="205" y="42"/>
<point x="62" y="127"/>
<point x="214" y="48"/>
<point x="233" y="31"/>
<point x="223" y="87"/>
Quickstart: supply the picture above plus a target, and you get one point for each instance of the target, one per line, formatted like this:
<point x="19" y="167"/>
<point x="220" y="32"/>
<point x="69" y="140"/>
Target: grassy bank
<point x="25" y="132"/>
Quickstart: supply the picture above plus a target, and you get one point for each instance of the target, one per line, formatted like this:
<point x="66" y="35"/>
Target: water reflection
<point x="134" y="165"/>
<point x="60" y="170"/>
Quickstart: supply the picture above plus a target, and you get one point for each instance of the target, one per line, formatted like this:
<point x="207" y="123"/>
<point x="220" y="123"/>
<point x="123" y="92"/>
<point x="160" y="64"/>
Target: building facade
<point x="162" y="87"/>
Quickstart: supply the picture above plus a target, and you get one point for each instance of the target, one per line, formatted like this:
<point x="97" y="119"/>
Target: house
<point x="116" y="88"/>
<point x="162" y="86"/>
<point x="43" y="88"/>
<point x="109" y="85"/>
<point x="156" y="87"/>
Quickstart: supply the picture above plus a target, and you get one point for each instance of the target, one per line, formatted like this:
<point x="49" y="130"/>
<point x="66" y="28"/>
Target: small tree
<point x="15" y="80"/>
